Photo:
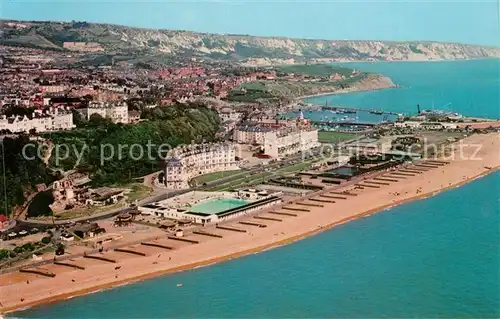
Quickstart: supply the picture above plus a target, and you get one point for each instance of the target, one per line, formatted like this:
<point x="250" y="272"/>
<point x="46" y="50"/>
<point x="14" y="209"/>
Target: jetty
<point x="356" y="109"/>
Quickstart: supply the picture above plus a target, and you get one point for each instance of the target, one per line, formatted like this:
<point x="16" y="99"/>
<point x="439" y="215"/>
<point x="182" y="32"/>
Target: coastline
<point x="383" y="84"/>
<point x="475" y="170"/>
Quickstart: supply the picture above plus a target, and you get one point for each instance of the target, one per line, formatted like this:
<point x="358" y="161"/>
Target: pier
<point x="356" y="109"/>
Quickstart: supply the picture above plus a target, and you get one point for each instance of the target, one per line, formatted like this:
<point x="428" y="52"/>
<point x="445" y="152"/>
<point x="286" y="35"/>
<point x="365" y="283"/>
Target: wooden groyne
<point x="399" y="177"/>
<point x="283" y="214"/>
<point x="204" y="233"/>
<point x="101" y="258"/>
<point x="411" y="171"/>
<point x="130" y="251"/>
<point x="332" y="196"/>
<point x="231" y="229"/>
<point x="296" y="209"/>
<point x="268" y="218"/>
<point x="157" y="245"/>
<point x="428" y="165"/>
<point x="376" y="183"/>
<point x="385" y="179"/>
<point x="344" y="193"/>
<point x="186" y="240"/>
<point x="441" y="163"/>
<point x="402" y="174"/>
<point x="75" y="266"/>
<point x="38" y="272"/>
<point x="321" y="200"/>
<point x="253" y="224"/>
<point x="421" y="169"/>
<point x="364" y="185"/>
<point x="309" y="204"/>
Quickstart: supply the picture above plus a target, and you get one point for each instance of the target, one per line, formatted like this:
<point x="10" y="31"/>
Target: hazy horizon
<point x="474" y="23"/>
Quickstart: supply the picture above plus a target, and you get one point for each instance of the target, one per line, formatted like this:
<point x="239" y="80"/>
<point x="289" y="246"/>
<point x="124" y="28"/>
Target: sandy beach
<point x="283" y="225"/>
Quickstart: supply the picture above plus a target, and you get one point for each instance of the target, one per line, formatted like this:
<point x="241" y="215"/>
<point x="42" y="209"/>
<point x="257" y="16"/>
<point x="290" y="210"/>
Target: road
<point x="169" y="194"/>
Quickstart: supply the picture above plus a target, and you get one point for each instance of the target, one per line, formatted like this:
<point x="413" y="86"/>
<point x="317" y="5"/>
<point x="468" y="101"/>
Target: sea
<point x="435" y="257"/>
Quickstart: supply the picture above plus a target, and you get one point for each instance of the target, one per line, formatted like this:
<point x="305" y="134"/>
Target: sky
<point x="472" y="22"/>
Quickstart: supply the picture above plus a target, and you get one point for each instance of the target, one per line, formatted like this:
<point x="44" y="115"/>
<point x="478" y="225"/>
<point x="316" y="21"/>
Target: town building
<point x="40" y="122"/>
<point x="186" y="162"/>
<point x="278" y="138"/>
<point x="290" y="141"/>
<point x="427" y="126"/>
<point x="194" y="206"/>
<point x="116" y="112"/>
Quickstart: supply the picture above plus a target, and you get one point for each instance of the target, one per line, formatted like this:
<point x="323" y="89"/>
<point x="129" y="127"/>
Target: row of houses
<point x="38" y="121"/>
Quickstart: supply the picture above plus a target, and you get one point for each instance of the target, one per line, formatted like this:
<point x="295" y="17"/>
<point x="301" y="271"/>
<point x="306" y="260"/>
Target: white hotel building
<point x="281" y="138"/>
<point x="188" y="161"/>
<point x="38" y="121"/>
<point x="290" y="141"/>
<point x="118" y="113"/>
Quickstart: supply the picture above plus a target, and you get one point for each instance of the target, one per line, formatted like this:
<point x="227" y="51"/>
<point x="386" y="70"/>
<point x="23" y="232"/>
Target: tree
<point x="78" y="119"/>
<point x="97" y="120"/>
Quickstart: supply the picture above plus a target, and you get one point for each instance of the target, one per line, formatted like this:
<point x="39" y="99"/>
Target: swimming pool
<point x="214" y="206"/>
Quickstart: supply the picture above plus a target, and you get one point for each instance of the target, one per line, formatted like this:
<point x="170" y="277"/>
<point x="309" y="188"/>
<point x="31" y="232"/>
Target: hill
<point x="253" y="50"/>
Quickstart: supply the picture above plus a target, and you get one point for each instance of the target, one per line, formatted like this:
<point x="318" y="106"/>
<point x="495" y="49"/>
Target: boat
<point x="377" y="112"/>
<point x="345" y="111"/>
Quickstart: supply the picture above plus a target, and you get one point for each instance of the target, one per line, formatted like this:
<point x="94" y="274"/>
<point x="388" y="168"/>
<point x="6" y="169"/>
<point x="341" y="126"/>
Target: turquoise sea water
<point x="468" y="87"/>
<point x="217" y="205"/>
<point x="437" y="257"/>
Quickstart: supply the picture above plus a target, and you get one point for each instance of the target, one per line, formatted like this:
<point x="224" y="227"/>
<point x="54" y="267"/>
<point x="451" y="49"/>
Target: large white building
<point x="279" y="138"/>
<point x="40" y="122"/>
<point x="250" y="134"/>
<point x="428" y="126"/>
<point x="290" y="141"/>
<point x="189" y="206"/>
<point x="188" y="161"/>
<point x="118" y="113"/>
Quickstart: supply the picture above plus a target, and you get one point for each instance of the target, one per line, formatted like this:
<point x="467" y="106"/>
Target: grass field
<point x="322" y="70"/>
<point x="214" y="176"/>
<point x="335" y="137"/>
